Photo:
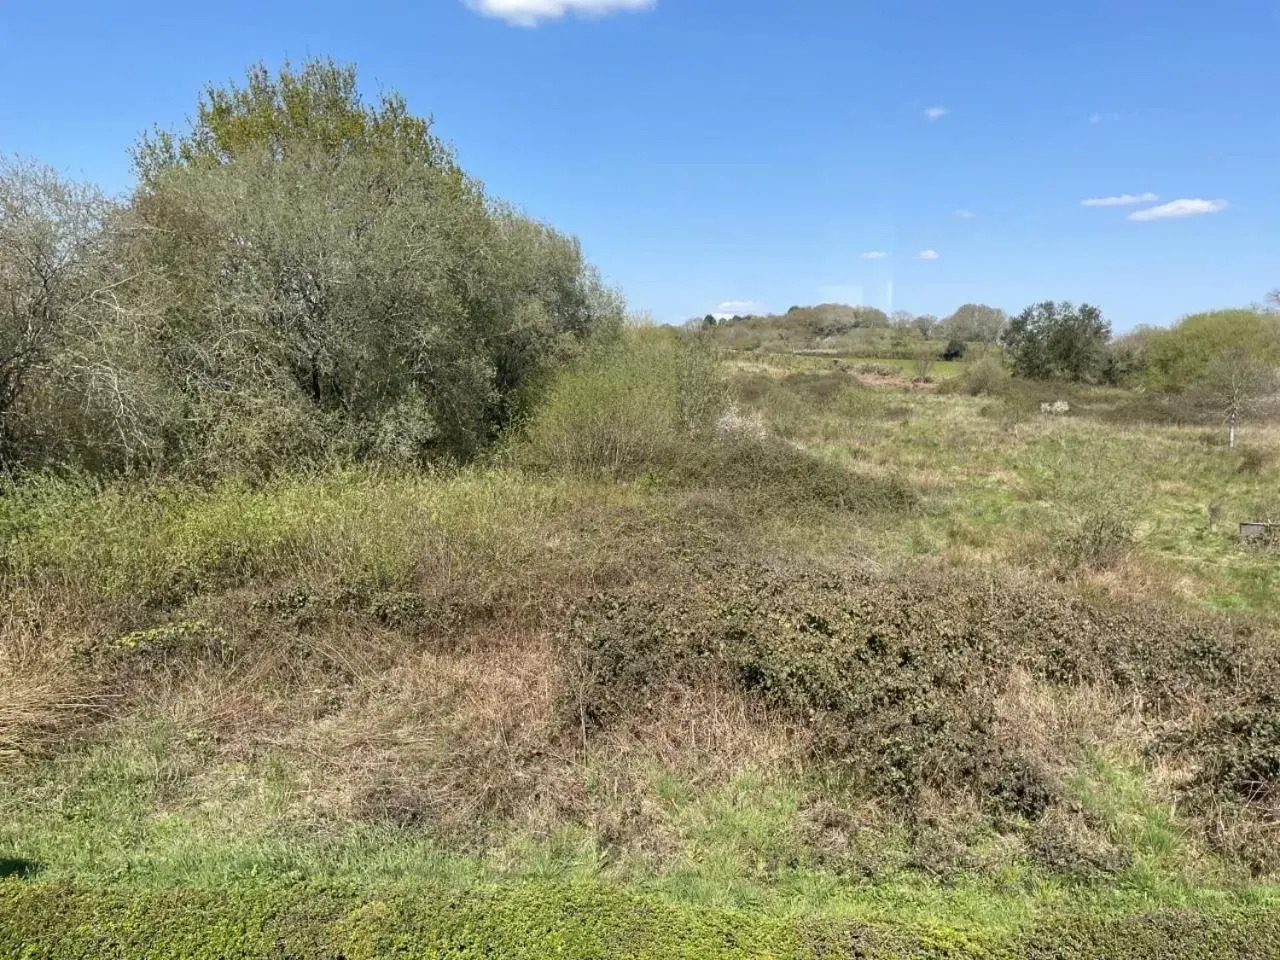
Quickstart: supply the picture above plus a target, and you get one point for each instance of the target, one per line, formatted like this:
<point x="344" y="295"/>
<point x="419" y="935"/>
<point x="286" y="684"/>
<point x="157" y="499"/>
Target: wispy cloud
<point x="965" y="215"/>
<point x="1124" y="200"/>
<point x="935" y="113"/>
<point x="1179" y="208"/>
<point x="927" y="255"/>
<point x="874" y="255"/>
<point x="737" y="308"/>
<point x="1104" y="118"/>
<point x="529" y="13"/>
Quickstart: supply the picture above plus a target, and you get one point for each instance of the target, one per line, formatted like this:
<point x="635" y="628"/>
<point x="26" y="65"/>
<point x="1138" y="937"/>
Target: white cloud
<point x="935" y="113"/>
<point x="927" y="255"/>
<point x="1179" y="208"/>
<point x="737" y="308"/>
<point x="529" y="13"/>
<point x="874" y="255"/>
<point x="1104" y="118"/>
<point x="965" y="215"/>
<point x="1124" y="200"/>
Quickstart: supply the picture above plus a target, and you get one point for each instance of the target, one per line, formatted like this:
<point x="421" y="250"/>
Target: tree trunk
<point x="1232" y="444"/>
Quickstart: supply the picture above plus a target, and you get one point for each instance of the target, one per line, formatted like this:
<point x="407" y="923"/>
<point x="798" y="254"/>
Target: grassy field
<point x="863" y="666"/>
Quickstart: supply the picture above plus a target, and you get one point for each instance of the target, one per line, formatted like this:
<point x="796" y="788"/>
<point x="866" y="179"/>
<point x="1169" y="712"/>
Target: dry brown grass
<point x="1057" y="724"/>
<point x="43" y="693"/>
<point x="473" y="734"/>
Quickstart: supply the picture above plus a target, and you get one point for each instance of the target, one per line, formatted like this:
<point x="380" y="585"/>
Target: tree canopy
<point x="975" y="322"/>
<point x="299" y="275"/>
<point x="1177" y="358"/>
<point x="1058" y="341"/>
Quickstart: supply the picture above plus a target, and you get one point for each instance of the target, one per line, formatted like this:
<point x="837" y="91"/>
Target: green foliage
<point x="1058" y="341"/>
<point x="984" y="377"/>
<point x="577" y="922"/>
<point x="1179" y="358"/>
<point x="829" y="319"/>
<point x="530" y="920"/>
<point x="625" y="407"/>
<point x="317" y="109"/>
<point x="302" y="278"/>
<point x="826" y="329"/>
<point x="1126" y="358"/>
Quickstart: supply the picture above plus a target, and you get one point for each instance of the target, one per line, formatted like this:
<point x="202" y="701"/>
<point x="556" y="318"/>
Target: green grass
<point x="572" y="920"/>
<point x="1004" y="486"/>
<point x="351" y="687"/>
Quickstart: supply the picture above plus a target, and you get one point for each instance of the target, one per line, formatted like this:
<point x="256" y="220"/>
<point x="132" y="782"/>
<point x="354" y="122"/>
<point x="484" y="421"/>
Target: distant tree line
<point x="1068" y="342"/>
<point x="299" y="275"/>
<point x="972" y="322"/>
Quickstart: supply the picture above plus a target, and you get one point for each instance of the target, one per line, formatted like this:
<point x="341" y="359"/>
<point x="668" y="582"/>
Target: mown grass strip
<point x="537" y="920"/>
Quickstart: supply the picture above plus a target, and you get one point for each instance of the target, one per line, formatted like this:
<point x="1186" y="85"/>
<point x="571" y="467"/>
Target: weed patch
<point x="899" y="677"/>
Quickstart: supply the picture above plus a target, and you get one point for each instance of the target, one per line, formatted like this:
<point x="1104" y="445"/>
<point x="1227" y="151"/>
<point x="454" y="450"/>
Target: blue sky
<point x="711" y="151"/>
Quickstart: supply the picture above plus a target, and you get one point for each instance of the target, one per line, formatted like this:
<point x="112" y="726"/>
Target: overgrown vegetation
<point x="404" y="598"/>
<point x="299" y="278"/>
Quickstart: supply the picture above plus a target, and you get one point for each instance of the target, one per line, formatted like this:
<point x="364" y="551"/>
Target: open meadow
<point x="843" y="666"/>
<point x="374" y="583"/>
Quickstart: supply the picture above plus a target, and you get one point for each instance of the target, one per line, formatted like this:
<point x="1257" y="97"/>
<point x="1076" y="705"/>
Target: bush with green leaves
<point x="627" y="406"/>
<point x="983" y="377"/>
<point x="301" y="276"/>
<point x="1058" y="341"/>
<point x="1179" y="358"/>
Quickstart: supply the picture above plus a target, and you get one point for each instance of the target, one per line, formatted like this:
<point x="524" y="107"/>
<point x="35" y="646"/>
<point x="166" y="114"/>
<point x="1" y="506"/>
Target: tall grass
<point x="626" y="408"/>
<point x="656" y="407"/>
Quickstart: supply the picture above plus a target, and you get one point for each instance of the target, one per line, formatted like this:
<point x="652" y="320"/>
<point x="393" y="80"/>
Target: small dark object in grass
<point x="19" y="867"/>
<point x="1260" y="534"/>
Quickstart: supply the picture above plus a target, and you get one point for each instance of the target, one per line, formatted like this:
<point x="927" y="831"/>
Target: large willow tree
<point x="303" y="275"/>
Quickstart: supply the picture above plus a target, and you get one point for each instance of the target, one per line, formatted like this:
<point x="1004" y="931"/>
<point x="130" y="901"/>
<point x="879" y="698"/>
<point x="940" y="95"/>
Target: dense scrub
<point x="899" y="678"/>
<point x="300" y="278"/>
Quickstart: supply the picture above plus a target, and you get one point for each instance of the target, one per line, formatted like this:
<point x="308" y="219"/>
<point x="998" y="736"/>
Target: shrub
<point x="1176" y="359"/>
<point x="301" y="277"/>
<point x="897" y="676"/>
<point x="627" y="407"/>
<point x="1097" y="541"/>
<point x="1058" y="341"/>
<point x="984" y="378"/>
